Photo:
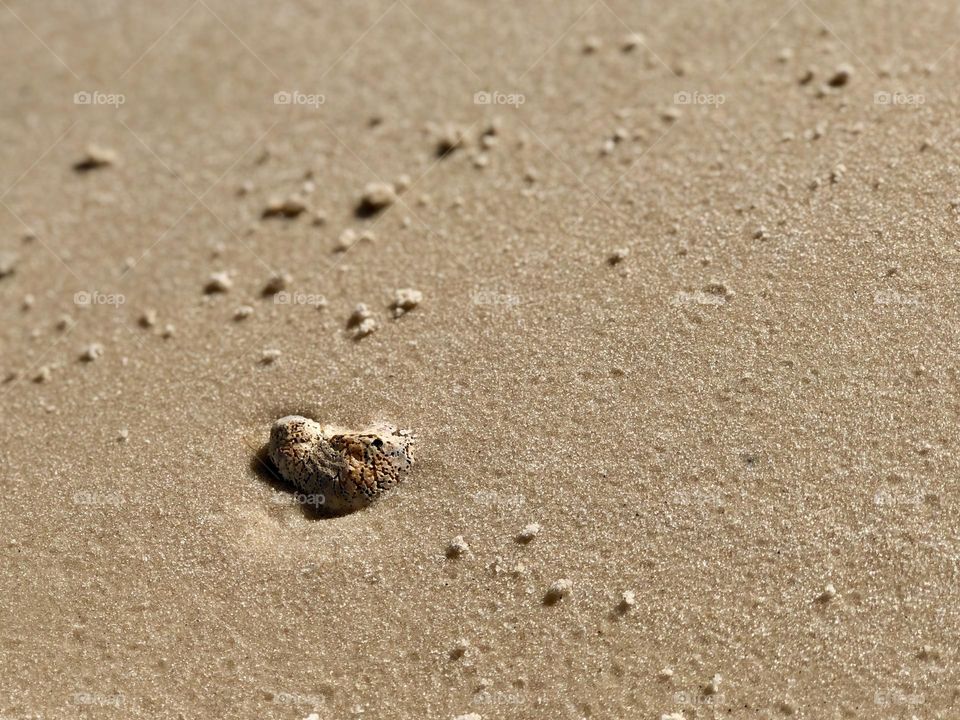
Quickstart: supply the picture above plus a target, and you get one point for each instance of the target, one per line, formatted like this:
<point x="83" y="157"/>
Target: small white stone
<point x="828" y="594"/>
<point x="528" y="533"/>
<point x="376" y="196"/>
<point x="148" y="318"/>
<point x="347" y="239"/>
<point x="92" y="352"/>
<point x="289" y="207"/>
<point x="365" y="328"/>
<point x="558" y="590"/>
<point x="618" y="256"/>
<point x="457" y="547"/>
<point x="360" y="313"/>
<point x="632" y="41"/>
<point x="96" y="157"/>
<point x="219" y="282"/>
<point x="8" y="264"/>
<point x="270" y="356"/>
<point x="405" y="300"/>
<point x="242" y="312"/>
<point x="277" y="282"/>
<point x="713" y="687"/>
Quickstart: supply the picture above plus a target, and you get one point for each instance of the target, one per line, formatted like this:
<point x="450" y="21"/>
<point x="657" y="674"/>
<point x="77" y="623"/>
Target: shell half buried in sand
<point x="349" y="468"/>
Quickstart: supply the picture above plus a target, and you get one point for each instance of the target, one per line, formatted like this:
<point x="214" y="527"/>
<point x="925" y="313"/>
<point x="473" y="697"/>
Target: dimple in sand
<point x="350" y="468"/>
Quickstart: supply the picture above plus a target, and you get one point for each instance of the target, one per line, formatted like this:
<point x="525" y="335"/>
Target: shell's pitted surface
<point x="350" y="468"/>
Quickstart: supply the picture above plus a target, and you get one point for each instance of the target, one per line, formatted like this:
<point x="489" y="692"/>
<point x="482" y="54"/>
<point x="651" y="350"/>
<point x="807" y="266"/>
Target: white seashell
<point x="349" y="468"/>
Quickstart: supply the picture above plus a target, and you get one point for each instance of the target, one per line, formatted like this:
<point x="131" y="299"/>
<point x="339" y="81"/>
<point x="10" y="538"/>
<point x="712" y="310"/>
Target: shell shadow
<point x="263" y="467"/>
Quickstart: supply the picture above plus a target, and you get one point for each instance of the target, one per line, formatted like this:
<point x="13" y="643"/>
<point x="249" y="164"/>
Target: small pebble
<point x="365" y="327"/>
<point x="28" y="301"/>
<point x="218" y="282"/>
<point x="459" y="649"/>
<point x="8" y="264"/>
<point x="270" y="356"/>
<point x="713" y="687"/>
<point x="591" y="44"/>
<point x="148" y="318"/>
<point x="95" y="157"/>
<point x="557" y="591"/>
<point x="376" y="196"/>
<point x="279" y="281"/>
<point x="289" y="207"/>
<point x="360" y="313"/>
<point x="92" y="352"/>
<point x="168" y="331"/>
<point x="618" y="256"/>
<point x="123" y="435"/>
<point x="632" y="41"/>
<point x="841" y="76"/>
<point x="457" y="547"/>
<point x="242" y="312"/>
<point x="628" y="600"/>
<point x="44" y="374"/>
<point x="828" y="594"/>
<point x="450" y="138"/>
<point x="528" y="533"/>
<point x="347" y="240"/>
<point x="405" y="300"/>
<point x="665" y="674"/>
<point x="65" y="322"/>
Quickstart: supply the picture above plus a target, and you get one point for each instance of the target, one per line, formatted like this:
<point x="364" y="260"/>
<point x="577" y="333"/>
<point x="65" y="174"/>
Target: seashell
<point x="349" y="468"/>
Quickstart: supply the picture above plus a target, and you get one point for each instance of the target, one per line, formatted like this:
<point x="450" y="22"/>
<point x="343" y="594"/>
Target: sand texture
<point x="666" y="292"/>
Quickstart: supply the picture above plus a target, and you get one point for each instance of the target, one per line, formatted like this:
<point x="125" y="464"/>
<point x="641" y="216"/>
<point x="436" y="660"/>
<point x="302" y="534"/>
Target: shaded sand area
<point x="678" y="342"/>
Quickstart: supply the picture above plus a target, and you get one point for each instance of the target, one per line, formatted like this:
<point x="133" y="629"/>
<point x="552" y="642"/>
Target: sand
<point x="687" y="302"/>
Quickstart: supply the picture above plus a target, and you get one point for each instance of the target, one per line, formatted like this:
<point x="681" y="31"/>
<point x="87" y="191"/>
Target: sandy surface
<point x="760" y="400"/>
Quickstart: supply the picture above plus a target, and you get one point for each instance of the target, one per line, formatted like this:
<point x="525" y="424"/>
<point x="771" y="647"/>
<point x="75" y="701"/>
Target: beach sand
<point x="689" y="303"/>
